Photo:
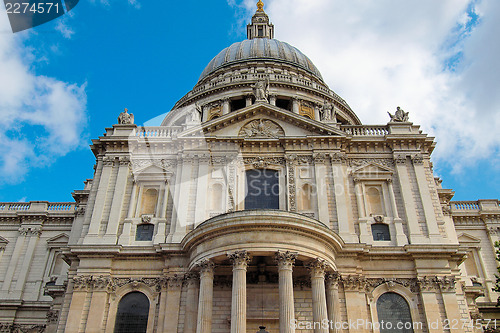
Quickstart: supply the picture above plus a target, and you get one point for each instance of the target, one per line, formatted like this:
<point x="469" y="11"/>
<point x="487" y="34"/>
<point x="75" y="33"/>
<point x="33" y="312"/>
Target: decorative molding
<point x="285" y="259"/>
<point x="360" y="162"/>
<point x="319" y="158"/>
<point x="434" y="283"/>
<point x="263" y="162"/>
<point x="52" y="316"/>
<point x="164" y="164"/>
<point x="400" y="159"/>
<point x="417" y="159"/>
<point x="261" y="128"/>
<point x="146" y="218"/>
<point x="205" y="265"/>
<point x="218" y="160"/>
<point x="291" y="185"/>
<point x="333" y="280"/>
<point x="354" y="283"/>
<point x="338" y="158"/>
<point x="22" y="328"/>
<point x="294" y="159"/>
<point x="239" y="258"/>
<point x="317" y="267"/>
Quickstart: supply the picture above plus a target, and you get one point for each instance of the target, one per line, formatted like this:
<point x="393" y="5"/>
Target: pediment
<point x="58" y="241"/>
<point x="150" y="166"/>
<point x="372" y="170"/>
<point x="465" y="238"/>
<point x="262" y="120"/>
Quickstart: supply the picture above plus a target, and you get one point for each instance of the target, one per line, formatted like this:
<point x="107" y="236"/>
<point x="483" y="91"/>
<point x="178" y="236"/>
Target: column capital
<point x="286" y="259"/>
<point x="317" y="268"/>
<point x="206" y="266"/>
<point x="240" y="259"/>
<point x="332" y="280"/>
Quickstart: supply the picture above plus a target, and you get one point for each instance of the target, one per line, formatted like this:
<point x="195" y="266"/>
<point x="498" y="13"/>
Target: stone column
<point x="285" y="262"/>
<point x="332" y="300"/>
<point x="272" y="99"/>
<point x="97" y="307"/>
<point x="295" y="105"/>
<point x="321" y="187"/>
<point x="401" y="238"/>
<point x="248" y="100"/>
<point x="226" y="108"/>
<point x="192" y="281"/>
<point x="410" y="206"/>
<point x="174" y="288"/>
<point x="118" y="200"/>
<point x="240" y="261"/>
<point x="204" y="323"/>
<point x="317" y="269"/>
<point x="342" y="202"/>
<point x="425" y="197"/>
<point x="428" y="290"/>
<point x="102" y="191"/>
<point x="202" y="190"/>
<point x="81" y="286"/>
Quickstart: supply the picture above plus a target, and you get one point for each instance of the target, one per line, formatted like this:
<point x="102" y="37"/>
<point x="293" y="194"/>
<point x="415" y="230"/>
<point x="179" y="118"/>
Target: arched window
<point x="132" y="314"/>
<point x="262" y="189"/>
<point x="380" y="232"/>
<point x="392" y="308"/>
<point x="144" y="232"/>
<point x="375" y="203"/>
<point x="305" y="197"/>
<point x="149" y="200"/>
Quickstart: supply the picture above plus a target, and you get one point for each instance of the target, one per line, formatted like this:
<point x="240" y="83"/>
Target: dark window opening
<point x="144" y="232"/>
<point x="262" y="189"/>
<point x="392" y="308"/>
<point x="261" y="32"/>
<point x="284" y="104"/>
<point x="381" y="232"/>
<point x="132" y="314"/>
<point x="237" y="104"/>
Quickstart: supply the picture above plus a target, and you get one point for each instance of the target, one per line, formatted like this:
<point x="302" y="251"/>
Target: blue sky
<point x="145" y="55"/>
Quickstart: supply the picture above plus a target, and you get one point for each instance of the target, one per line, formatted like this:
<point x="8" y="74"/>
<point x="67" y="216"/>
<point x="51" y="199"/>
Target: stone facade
<point x="358" y="216"/>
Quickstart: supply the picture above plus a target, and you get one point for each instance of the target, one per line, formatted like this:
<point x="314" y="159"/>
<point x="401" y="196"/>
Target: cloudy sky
<point x="63" y="82"/>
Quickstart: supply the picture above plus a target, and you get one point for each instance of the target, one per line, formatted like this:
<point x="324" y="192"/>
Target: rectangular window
<point x="262" y="189"/>
<point x="261" y="32"/>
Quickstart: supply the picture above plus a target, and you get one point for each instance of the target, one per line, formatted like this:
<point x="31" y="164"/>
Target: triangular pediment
<point x="262" y="120"/>
<point x="465" y="238"/>
<point x="58" y="241"/>
<point x="372" y="170"/>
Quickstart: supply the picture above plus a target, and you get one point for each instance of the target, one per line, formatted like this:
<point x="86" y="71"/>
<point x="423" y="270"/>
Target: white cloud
<point x="381" y="54"/>
<point x="41" y="118"/>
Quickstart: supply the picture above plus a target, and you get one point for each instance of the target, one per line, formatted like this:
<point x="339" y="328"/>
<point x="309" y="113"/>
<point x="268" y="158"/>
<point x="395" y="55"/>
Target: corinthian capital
<point x="205" y="266"/>
<point x="285" y="259"/>
<point x="317" y="267"/>
<point x="239" y="259"/>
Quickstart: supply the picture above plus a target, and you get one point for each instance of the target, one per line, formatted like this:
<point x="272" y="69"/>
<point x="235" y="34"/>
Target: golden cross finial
<point x="260" y="6"/>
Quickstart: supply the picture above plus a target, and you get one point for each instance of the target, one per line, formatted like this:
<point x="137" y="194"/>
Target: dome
<point x="262" y="49"/>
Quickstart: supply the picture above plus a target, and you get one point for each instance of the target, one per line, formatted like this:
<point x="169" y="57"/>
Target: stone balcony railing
<point x="365" y="130"/>
<point x="37" y="207"/>
<point x="158" y="131"/>
<point x="475" y="207"/>
<point x="250" y="79"/>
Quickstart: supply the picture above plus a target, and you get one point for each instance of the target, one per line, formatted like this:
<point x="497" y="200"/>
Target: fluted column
<point x="191" y="302"/>
<point x="285" y="262"/>
<point x="240" y="261"/>
<point x="204" y="324"/>
<point x="317" y="270"/>
<point x="332" y="300"/>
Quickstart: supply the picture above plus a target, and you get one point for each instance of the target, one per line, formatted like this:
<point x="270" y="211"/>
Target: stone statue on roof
<point x="261" y="90"/>
<point x="400" y="116"/>
<point x="125" y="118"/>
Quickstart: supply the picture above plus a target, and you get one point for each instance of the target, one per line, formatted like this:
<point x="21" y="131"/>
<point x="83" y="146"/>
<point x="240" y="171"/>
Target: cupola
<point x="260" y="26"/>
